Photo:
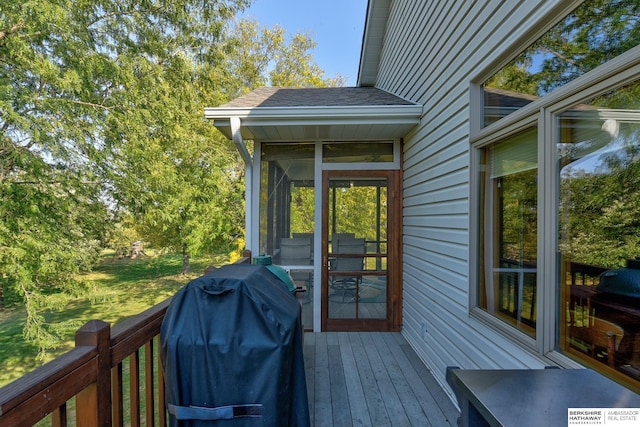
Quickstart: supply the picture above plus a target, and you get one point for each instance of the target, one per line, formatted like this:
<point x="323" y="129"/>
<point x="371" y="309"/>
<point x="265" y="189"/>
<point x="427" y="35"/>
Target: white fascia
<point x="316" y="115"/>
<point x="343" y="111"/>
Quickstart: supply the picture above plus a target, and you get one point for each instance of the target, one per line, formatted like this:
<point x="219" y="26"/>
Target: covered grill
<point x="231" y="348"/>
<point x="623" y="282"/>
<point x="616" y="311"/>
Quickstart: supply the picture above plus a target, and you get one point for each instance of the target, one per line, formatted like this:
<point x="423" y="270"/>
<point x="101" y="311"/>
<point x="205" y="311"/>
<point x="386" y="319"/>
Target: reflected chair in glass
<point x="601" y="337"/>
<point x="343" y="285"/>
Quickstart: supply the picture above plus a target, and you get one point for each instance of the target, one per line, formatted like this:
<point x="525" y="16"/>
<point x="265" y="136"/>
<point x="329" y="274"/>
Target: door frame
<point x="393" y="321"/>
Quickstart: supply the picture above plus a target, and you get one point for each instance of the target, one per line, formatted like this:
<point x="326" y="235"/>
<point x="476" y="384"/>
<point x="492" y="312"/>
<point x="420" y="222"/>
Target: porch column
<point x="248" y="177"/>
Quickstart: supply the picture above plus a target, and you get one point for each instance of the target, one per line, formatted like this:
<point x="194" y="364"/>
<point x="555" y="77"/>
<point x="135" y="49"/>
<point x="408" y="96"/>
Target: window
<point x="598" y="152"/>
<point x="593" y="34"/>
<point x="353" y="152"/>
<point x="509" y="217"/>
<point x="557" y="179"/>
<point x="286" y="193"/>
<point x="287" y="213"/>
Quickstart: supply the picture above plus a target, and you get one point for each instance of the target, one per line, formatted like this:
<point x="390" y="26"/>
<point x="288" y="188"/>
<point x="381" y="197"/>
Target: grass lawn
<point x="121" y="287"/>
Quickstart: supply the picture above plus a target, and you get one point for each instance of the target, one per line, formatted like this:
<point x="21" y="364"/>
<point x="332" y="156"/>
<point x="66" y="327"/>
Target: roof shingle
<point x="315" y="97"/>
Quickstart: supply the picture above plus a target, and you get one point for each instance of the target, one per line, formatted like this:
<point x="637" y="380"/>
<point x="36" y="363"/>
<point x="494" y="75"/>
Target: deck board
<point x="391" y="401"/>
<point x="309" y="370"/>
<point x="323" y="411"/>
<point x="435" y="402"/>
<point x="409" y="401"/>
<point x="372" y="395"/>
<point x="357" y="404"/>
<point x="339" y="395"/>
<point x="371" y="379"/>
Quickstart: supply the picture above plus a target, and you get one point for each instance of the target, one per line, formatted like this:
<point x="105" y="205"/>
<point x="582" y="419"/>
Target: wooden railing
<point x="93" y="374"/>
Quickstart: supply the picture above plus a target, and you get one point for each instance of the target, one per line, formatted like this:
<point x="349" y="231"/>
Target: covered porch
<point x="324" y="195"/>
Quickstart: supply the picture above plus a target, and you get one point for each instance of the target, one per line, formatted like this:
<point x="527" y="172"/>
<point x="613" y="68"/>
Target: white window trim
<point x="614" y="74"/>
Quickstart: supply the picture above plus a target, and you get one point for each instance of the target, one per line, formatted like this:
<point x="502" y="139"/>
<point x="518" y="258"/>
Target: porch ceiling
<point x="299" y="114"/>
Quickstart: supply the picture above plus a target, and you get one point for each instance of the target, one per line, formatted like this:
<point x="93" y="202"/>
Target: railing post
<point x="93" y="404"/>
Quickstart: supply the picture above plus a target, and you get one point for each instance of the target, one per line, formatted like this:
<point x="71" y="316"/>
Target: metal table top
<point x="537" y="397"/>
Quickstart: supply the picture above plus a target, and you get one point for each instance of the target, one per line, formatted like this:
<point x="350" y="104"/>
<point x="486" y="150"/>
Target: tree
<point x="597" y="31"/>
<point x="183" y="182"/>
<point x="169" y="168"/>
<point x="598" y="208"/>
<point x="51" y="229"/>
<point x="601" y="207"/>
<point x="260" y="56"/>
<point x="101" y="121"/>
<point x="71" y="72"/>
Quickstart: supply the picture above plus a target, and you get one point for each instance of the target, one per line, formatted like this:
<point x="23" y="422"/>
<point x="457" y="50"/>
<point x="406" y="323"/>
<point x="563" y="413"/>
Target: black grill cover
<point x="623" y="281"/>
<point x="231" y="349"/>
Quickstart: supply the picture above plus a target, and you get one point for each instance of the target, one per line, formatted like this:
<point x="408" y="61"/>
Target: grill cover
<point x="231" y="349"/>
<point x="622" y="281"/>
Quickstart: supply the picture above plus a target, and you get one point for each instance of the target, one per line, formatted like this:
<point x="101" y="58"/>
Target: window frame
<point x="612" y="75"/>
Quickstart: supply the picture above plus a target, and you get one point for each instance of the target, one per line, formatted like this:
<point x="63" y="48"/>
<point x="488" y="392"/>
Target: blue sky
<point x="336" y="26"/>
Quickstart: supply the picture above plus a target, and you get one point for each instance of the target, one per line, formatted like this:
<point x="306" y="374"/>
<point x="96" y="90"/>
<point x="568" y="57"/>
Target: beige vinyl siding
<point x="431" y="53"/>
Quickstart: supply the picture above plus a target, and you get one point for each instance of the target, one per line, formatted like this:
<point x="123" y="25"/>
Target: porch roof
<point x="297" y="114"/>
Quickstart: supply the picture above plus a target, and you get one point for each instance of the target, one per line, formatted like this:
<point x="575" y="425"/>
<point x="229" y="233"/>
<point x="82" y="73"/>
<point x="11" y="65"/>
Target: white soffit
<point x="310" y="123"/>
<point x="297" y="114"/>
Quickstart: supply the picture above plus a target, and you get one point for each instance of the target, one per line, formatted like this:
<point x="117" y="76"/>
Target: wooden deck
<point x="371" y="379"/>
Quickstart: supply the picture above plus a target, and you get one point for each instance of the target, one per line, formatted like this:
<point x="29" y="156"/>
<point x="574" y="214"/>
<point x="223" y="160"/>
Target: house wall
<point x="432" y="52"/>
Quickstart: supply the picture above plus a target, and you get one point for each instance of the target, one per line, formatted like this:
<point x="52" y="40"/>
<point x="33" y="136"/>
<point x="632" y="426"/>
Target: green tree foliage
<point x="101" y="123"/>
<point x="259" y="56"/>
<point x="294" y="66"/>
<point x="303" y="209"/>
<point x="599" y="208"/>
<point x="597" y="31"/>
<point x="170" y="168"/>
<point x="518" y="225"/>
<point x="183" y="181"/>
<point x="356" y="210"/>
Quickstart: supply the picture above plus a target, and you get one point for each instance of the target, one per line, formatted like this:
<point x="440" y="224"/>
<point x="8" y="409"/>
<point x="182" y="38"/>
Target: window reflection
<point x="596" y="32"/>
<point x="509" y="211"/>
<point x="599" y="230"/>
